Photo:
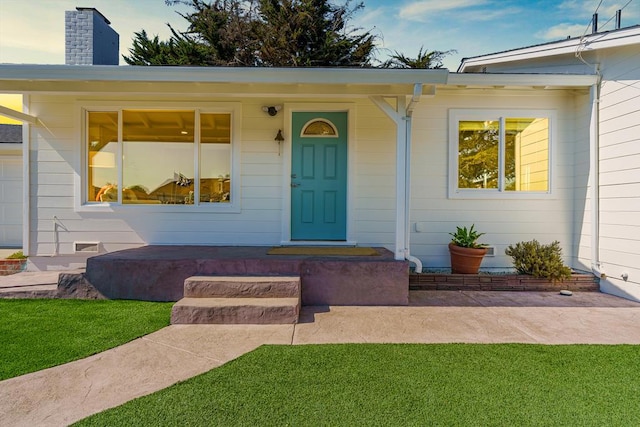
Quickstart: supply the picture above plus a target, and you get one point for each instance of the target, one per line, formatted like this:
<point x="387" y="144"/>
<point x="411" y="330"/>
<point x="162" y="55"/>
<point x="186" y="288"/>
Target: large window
<point x="499" y="153"/>
<point x="154" y="157"/>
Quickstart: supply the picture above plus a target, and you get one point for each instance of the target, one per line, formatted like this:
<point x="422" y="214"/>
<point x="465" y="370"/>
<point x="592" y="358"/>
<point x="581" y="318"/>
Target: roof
<point x="11" y="134"/>
<point x="606" y="39"/>
<point x="255" y="82"/>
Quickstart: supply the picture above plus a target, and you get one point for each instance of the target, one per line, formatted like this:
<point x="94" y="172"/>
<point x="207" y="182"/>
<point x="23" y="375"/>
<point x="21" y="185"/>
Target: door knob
<point x="295" y="184"/>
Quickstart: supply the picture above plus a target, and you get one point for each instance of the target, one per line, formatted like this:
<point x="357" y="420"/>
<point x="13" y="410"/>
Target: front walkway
<point x="64" y="394"/>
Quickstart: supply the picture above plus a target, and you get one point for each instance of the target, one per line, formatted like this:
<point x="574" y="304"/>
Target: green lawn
<point x="404" y="385"/>
<point x="38" y="334"/>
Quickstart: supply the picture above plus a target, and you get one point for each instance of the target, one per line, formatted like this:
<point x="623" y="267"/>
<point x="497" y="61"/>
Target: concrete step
<point x="236" y="311"/>
<point x="242" y="287"/>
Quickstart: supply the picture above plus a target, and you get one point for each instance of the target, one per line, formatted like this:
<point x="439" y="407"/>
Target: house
<point x="121" y="157"/>
<point x="606" y="236"/>
<point x="10" y="185"/>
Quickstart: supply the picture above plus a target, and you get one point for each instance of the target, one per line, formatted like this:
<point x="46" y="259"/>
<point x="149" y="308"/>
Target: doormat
<point x="323" y="250"/>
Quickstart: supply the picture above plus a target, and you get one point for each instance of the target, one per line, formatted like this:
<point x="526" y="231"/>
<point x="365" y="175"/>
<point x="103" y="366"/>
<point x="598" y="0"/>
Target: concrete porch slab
<point x="157" y="273"/>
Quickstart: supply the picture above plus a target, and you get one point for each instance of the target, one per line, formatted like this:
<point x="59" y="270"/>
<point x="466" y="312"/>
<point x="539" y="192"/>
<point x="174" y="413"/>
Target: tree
<point x="424" y="59"/>
<point x="270" y="33"/>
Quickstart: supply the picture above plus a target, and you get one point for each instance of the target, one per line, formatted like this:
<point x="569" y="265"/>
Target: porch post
<point x="398" y="116"/>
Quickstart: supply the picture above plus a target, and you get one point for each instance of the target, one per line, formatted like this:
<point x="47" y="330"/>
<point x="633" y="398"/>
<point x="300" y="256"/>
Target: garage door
<point x="11" y="201"/>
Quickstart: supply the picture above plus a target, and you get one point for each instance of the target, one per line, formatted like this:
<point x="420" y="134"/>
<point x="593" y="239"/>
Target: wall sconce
<point x="273" y="110"/>
<point x="279" y="138"/>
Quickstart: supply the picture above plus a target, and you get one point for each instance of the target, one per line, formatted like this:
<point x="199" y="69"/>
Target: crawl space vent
<point x="86" y="247"/>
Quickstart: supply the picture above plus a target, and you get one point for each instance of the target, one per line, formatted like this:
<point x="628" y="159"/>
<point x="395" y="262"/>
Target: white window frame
<point x="81" y="204"/>
<point x="458" y="115"/>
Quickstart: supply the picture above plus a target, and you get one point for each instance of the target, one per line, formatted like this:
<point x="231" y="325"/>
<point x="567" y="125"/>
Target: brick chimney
<point x="89" y="38"/>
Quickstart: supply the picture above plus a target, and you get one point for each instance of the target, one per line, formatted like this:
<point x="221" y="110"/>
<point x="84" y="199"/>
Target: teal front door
<point x="319" y="176"/>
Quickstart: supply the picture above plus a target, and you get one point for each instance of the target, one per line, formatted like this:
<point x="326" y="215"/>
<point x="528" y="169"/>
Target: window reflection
<point x="159" y="153"/>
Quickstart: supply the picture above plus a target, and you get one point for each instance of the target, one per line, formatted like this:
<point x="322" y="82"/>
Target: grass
<point x="407" y="385"/>
<point x="38" y="334"/>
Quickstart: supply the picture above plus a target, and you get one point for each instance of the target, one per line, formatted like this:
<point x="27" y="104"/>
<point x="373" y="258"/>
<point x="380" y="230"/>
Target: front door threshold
<point x="319" y="243"/>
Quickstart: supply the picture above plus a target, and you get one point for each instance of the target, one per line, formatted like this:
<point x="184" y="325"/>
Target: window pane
<point x="478" y="143"/>
<point x="102" y="149"/>
<point x="527" y="154"/>
<point x="319" y="128"/>
<point x="161" y="126"/>
<point x="157" y="163"/>
<point x="215" y="158"/>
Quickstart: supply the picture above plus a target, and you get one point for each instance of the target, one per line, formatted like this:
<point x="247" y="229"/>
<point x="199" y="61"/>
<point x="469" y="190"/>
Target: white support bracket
<point x="17" y="115"/>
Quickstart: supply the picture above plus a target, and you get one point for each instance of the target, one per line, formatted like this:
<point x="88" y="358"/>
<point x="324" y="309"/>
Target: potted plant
<point x="466" y="253"/>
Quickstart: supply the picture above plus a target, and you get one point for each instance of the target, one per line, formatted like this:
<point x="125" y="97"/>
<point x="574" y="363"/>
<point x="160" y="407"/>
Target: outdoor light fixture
<point x="279" y="138"/>
<point x="273" y="110"/>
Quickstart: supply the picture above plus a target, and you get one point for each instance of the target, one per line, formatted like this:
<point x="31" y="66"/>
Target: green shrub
<point x="17" y="255"/>
<point x="542" y="261"/>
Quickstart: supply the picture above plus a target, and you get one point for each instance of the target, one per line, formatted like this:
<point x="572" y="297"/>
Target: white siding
<point x="620" y="171"/>
<point x="55" y="162"/>
<point x="505" y="221"/>
<point x="10" y="200"/>
<point x="619" y="161"/>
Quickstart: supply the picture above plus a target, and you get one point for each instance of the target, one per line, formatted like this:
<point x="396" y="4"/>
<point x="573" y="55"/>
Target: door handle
<point x="295" y="184"/>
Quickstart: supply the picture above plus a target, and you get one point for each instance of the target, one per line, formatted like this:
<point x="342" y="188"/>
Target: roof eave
<point x="522" y="80"/>
<point x="222" y="75"/>
<point x="609" y="39"/>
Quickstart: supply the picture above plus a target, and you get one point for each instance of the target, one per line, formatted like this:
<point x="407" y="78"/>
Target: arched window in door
<point x="319" y="128"/>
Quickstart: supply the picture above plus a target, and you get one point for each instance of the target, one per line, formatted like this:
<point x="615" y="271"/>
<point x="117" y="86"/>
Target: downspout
<point x="417" y="92"/>
<point x="594" y="147"/>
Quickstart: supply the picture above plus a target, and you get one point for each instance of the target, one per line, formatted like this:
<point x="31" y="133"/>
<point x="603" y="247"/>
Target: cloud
<point x="487" y="14"/>
<point x="561" y="31"/>
<point x="582" y="11"/>
<point x="419" y="10"/>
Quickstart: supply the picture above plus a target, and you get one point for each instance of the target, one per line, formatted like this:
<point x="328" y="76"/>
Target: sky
<point x="34" y="34"/>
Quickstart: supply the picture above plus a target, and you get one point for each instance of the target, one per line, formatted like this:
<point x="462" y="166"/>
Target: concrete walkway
<point x="67" y="393"/>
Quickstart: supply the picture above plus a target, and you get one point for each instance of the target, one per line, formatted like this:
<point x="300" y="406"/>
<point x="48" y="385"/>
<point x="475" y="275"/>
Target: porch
<point x="158" y="273"/>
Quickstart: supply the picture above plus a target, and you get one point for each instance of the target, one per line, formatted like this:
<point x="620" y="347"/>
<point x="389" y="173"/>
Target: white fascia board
<point x="610" y="39"/>
<point x="522" y="80"/>
<point x="222" y="74"/>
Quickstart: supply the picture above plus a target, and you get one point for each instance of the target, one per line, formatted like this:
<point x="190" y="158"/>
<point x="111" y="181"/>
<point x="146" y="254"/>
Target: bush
<point x="17" y="255"/>
<point x="542" y="261"/>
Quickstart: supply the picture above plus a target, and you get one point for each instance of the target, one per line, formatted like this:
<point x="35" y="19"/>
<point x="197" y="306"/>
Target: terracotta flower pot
<point x="466" y="260"/>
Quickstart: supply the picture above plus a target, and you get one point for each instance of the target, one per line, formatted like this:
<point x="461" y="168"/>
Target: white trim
<point x="234" y="108"/>
<point x="316" y="107"/>
<point x="455" y="115"/>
